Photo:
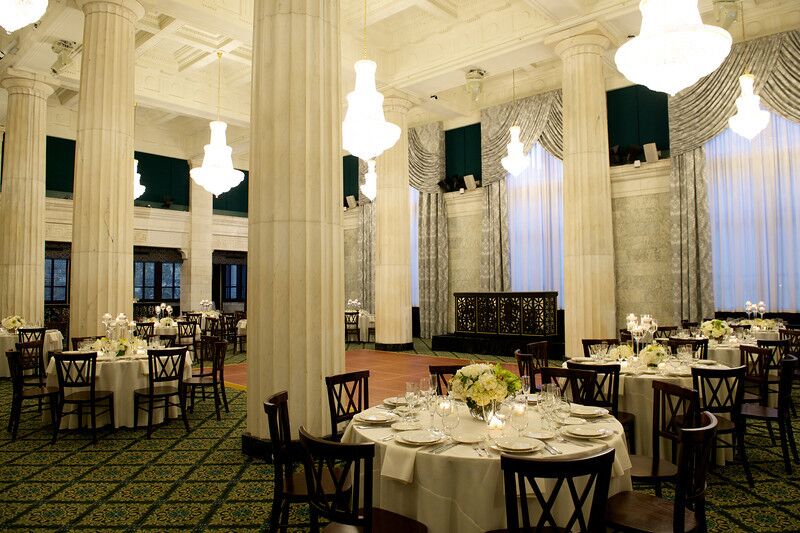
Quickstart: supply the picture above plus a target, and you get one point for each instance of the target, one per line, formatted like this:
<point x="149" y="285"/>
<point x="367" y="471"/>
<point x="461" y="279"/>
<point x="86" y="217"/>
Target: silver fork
<point x="480" y="452"/>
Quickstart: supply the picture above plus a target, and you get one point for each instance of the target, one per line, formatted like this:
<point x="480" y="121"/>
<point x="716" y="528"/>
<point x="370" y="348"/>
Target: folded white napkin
<point x="398" y="463"/>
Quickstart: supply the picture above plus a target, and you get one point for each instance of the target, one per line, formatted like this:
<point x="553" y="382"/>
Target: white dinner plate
<point x="420" y="437"/>
<point x="374" y="417"/>
<point x="394" y="401"/>
<point x="540" y="435"/>
<point x="404" y="425"/>
<point x="517" y="445"/>
<point x="572" y="421"/>
<point x="707" y="362"/>
<point x="587" y="432"/>
<point x="468" y="438"/>
<point x="587" y="411"/>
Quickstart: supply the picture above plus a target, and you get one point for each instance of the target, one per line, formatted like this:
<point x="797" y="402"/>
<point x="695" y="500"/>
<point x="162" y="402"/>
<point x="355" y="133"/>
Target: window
<point x="235" y="283"/>
<point x="56" y="280"/>
<point x="156" y="281"/>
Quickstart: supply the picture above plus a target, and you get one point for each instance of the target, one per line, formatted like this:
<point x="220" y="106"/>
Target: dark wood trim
<point x="394" y="347"/>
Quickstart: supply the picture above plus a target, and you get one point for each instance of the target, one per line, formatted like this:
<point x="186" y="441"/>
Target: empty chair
<point x="165" y="382"/>
<point x="348" y="395"/>
<point x="30" y="334"/>
<point x="665" y="332"/>
<point x="444" y="374"/>
<point x="540" y="349"/>
<point x="576" y="384"/>
<point x="594" y="342"/>
<point x="145" y="330"/>
<point x="625" y="336"/>
<point x="214" y="327"/>
<point x="212" y="380"/>
<point x="637" y="511"/>
<point x="531" y="363"/>
<point x="674" y="407"/>
<point x="77" y="375"/>
<point x="349" y="504"/>
<point x="186" y="335"/>
<point x="194" y="318"/>
<point x="351" y="326"/>
<point x="21" y="393"/>
<point x="699" y="346"/>
<point x="758" y="363"/>
<point x="32" y="352"/>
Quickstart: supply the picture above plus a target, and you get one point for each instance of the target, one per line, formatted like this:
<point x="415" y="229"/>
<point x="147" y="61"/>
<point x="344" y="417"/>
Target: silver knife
<point x="444" y="448"/>
<point x="550" y="449"/>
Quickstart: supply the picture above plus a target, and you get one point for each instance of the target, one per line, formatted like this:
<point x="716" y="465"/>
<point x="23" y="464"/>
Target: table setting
<point x="432" y="452"/>
<point x="53" y="340"/>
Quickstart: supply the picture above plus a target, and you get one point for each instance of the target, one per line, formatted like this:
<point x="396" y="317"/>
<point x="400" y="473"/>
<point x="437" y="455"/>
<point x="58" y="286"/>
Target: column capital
<point x="19" y="81"/>
<point x="591" y="37"/>
<point x="130" y="9"/>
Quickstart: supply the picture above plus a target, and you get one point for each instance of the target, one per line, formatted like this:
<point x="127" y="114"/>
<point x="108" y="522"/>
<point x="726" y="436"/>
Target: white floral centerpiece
<point x="118" y="347"/>
<point x="167" y="322"/>
<point x="622" y="352"/>
<point x="353" y="305"/>
<point x="765" y="324"/>
<point x="715" y="329"/>
<point x="481" y="384"/>
<point x="653" y="354"/>
<point x="13" y="323"/>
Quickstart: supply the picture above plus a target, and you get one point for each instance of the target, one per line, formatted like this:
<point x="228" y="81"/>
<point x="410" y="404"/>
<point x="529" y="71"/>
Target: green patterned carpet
<point x="201" y="480"/>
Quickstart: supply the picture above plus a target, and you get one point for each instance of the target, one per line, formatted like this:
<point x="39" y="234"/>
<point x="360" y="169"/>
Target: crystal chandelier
<point x="216" y="174"/>
<point x="16" y="14"/>
<point x="138" y="188"/>
<point x="515" y="162"/>
<point x="370" y="186"/>
<point x="750" y="119"/>
<point x="674" y="48"/>
<point x="365" y="132"/>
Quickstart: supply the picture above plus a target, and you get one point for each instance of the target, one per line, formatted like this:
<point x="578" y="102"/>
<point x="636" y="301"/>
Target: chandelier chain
<point x="219" y="80"/>
<point x="365" y="29"/>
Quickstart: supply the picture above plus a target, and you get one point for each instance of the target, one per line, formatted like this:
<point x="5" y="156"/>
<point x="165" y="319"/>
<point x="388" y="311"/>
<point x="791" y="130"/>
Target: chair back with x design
<point x="788" y="365"/>
<point x="606" y="389"/>
<point x="348" y="395"/>
<point x="186" y="331"/>
<point x="757" y="363"/>
<point x="214" y="327"/>
<point x="76" y="370"/>
<point x="522" y="475"/>
<point x="594" y="342"/>
<point x="32" y="358"/>
<point x="348" y="467"/>
<point x="15" y="371"/>
<point x="696" y="456"/>
<point x="674" y="407"/>
<point x="444" y="374"/>
<point x="205" y="355"/>
<point x="280" y="435"/>
<point x="30" y="334"/>
<point x="194" y="318"/>
<point x="145" y="329"/>
<point x="698" y="346"/>
<point x="792" y="337"/>
<point x="351" y="319"/>
<point x="576" y="384"/>
<point x="778" y="347"/>
<point x="665" y="332"/>
<point x="720" y="390"/>
<point x="166" y="365"/>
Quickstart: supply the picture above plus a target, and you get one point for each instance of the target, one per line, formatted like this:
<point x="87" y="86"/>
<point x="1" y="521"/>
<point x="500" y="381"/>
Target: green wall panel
<point x="60" y="172"/>
<point x="234" y="202"/>
<point x="167" y="182"/>
<point x="637" y="116"/>
<point x="462" y="151"/>
<point x="349" y="177"/>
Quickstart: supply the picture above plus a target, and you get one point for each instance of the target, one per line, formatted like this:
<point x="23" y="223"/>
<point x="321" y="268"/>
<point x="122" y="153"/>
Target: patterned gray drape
<point x="698" y="114"/>
<point x="366" y="255"/>
<point x="539" y="118"/>
<point x="426" y="169"/>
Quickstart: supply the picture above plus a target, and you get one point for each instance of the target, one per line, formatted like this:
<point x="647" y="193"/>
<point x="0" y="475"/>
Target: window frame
<point x="49" y="281"/>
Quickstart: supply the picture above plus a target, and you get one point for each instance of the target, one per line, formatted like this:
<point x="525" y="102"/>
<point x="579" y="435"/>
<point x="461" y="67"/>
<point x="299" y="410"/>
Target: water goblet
<point x="519" y="416"/>
<point x="526" y="385"/>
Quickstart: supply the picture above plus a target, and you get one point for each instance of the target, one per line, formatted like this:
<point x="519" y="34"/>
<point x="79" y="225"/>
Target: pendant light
<point x="674" y="48"/>
<point x="16" y="14"/>
<point x="370" y="186"/>
<point x="216" y="174"/>
<point x="750" y="119"/>
<point x="515" y="162"/>
<point x="365" y="132"/>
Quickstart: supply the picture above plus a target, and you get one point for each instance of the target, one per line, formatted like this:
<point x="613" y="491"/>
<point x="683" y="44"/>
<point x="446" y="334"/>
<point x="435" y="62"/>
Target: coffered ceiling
<point x="423" y="47"/>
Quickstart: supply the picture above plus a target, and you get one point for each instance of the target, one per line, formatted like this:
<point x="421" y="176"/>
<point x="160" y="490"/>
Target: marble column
<point x="22" y="198"/>
<point x="392" y="236"/>
<point x="589" y="299"/>
<point x="196" y="268"/>
<point x="295" y="286"/>
<point x="102" y="222"/>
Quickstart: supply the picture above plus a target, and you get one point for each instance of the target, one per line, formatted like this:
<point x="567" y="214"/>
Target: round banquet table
<point x="458" y="491"/>
<point x="121" y="375"/>
<point x="53" y="342"/>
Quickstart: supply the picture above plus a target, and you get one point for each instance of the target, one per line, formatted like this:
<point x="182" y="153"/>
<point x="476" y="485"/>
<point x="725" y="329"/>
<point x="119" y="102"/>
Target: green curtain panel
<point x="234" y="202"/>
<point x="462" y="149"/>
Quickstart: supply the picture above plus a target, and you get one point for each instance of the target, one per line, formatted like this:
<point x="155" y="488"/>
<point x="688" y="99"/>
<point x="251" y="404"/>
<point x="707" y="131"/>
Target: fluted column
<point x="102" y="223"/>
<point x="392" y="236"/>
<point x="589" y="300"/>
<point x="22" y="198"/>
<point x="197" y="265"/>
<point x="295" y="249"/>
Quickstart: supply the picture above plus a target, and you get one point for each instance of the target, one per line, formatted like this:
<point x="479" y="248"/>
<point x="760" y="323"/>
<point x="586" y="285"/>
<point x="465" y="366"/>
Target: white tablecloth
<point x="457" y="491"/>
<point x="121" y="375"/>
<point x="53" y="342"/>
<point x="241" y="328"/>
<point x="364" y="322"/>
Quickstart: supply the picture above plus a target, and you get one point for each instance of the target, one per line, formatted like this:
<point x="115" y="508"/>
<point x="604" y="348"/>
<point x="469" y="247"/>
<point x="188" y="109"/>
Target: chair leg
<point x="135" y="411"/>
<point x="275" y="514"/>
<point x="182" y="401"/>
<point x="11" y="414"/>
<point x="80" y="416"/>
<point x="224" y="396"/>
<point x="285" y="517"/>
<point x="787" y="462"/>
<point x="16" y="414"/>
<point x="217" y="401"/>
<point x="54" y="416"/>
<point x="790" y="438"/>
<point x="93" y="411"/>
<point x="743" y="454"/>
<point x="191" y="401"/>
<point x="150" y="415"/>
<point x="111" y="413"/>
<point x="771" y="433"/>
<point x="658" y="488"/>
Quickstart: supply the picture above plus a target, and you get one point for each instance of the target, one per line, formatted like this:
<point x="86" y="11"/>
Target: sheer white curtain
<point x="535" y="216"/>
<point x="413" y="199"/>
<point x="754" y="205"/>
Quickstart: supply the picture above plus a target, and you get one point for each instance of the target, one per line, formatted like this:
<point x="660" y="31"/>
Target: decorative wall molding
<point x="464" y="205"/>
<point x="650" y="178"/>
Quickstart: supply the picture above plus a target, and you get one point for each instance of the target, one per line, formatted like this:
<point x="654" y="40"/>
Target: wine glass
<point x="519" y="416"/>
<point x="526" y="385"/>
<point x="446" y="409"/>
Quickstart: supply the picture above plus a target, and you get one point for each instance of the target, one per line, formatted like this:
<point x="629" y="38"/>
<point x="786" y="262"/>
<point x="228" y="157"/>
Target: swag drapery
<point x="425" y="170"/>
<point x="698" y="114"/>
<point x="539" y="118"/>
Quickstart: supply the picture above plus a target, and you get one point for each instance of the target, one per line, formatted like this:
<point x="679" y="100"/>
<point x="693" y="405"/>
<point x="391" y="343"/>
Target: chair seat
<point x="38" y="392"/>
<point x="196" y="372"/>
<point x="296" y="489"/>
<point x="86" y="396"/>
<point x="199" y="380"/>
<point x="162" y="390"/>
<point x="642" y="468"/>
<point x="382" y="521"/>
<point x="724" y="425"/>
<point x="749" y="397"/>
<point x="636" y="511"/>
<point x="759" y="412"/>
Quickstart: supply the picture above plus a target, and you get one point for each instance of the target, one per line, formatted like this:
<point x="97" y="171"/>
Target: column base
<point x="394" y="347"/>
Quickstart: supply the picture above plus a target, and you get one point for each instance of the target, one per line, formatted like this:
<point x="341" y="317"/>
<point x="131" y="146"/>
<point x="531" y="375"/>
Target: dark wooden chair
<point x="444" y="374"/>
<point x="165" y="382"/>
<point x="194" y="318"/>
<point x="757" y="362"/>
<point x="351" y="326"/>
<point x="32" y="353"/>
<point x="241" y="340"/>
<point x="781" y="414"/>
<point x="349" y="503"/>
<point x="625" y="336"/>
<point x="213" y="381"/>
<point x="576" y="384"/>
<point x="688" y="324"/>
<point x="540" y="349"/>
<point x="779" y="348"/>
<point x="348" y="395"/>
<point x="721" y="391"/>
<point x="531" y="363"/>
<point x="77" y="375"/>
<point x="186" y="335"/>
<point x="521" y="475"/>
<point x="665" y="332"/>
<point x="637" y="511"/>
<point x="229" y="319"/>
<point x="606" y="394"/>
<point x="76" y="341"/>
<point x="21" y="393"/>
<point x="214" y="327"/>
<point x="674" y="407"/>
<point x="696" y="344"/>
<point x="204" y="358"/>
<point x="145" y="330"/>
<point x="30" y="334"/>
<point x="168" y="340"/>
<point x="593" y="342"/>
